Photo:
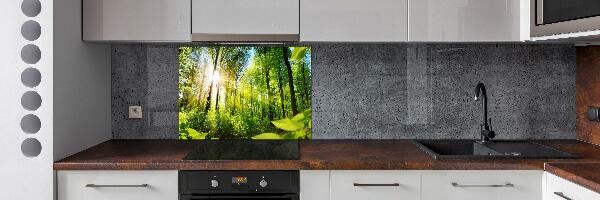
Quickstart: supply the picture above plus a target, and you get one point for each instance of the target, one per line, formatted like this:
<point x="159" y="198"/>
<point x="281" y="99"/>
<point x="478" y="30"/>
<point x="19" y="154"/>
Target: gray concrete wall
<point x="384" y="90"/>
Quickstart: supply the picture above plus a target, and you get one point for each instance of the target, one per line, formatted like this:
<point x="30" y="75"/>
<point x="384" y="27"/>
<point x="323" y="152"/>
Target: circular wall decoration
<point x="31" y="8"/>
<point x="31" y="100"/>
<point x="31" y="77"/>
<point x="31" y="54"/>
<point x="31" y="147"/>
<point x="31" y="30"/>
<point x="31" y="124"/>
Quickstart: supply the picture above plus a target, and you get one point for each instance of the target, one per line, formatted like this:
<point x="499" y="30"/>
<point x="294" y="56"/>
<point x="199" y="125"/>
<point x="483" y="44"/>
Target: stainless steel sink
<point x="469" y="149"/>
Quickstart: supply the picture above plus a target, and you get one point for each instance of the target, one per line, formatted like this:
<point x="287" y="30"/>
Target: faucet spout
<point x="486" y="133"/>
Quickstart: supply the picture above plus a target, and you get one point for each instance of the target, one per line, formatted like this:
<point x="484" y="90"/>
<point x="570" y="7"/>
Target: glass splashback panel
<point x="230" y="92"/>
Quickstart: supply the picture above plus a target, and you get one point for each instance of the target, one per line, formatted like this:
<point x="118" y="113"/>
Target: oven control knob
<point x="263" y="183"/>
<point x="214" y="183"/>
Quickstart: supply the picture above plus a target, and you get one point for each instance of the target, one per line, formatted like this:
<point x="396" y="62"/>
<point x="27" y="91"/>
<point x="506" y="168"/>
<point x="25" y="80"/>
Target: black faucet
<point x="487" y="134"/>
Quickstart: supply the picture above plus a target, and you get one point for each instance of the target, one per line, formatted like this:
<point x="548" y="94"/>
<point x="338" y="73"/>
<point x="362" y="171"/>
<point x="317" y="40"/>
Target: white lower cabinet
<point x="341" y="185"/>
<point x="482" y="185"/>
<point x="375" y="185"/>
<point x="117" y="185"/>
<point x="560" y="189"/>
<point x="314" y="184"/>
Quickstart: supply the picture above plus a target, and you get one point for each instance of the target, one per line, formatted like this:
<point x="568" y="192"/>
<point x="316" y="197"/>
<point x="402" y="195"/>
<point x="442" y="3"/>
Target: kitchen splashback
<point x="379" y="91"/>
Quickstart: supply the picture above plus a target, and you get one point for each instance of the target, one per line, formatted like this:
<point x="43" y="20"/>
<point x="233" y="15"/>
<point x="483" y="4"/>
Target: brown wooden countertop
<point x="584" y="174"/>
<point x="314" y="155"/>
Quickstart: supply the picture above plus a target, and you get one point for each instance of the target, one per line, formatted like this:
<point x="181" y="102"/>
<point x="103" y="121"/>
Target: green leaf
<point x="195" y="134"/>
<point x="266" y="136"/>
<point x="298" y="53"/>
<point x="288" y="125"/>
<point x="298" y="118"/>
<point x="288" y="136"/>
<point x="294" y="135"/>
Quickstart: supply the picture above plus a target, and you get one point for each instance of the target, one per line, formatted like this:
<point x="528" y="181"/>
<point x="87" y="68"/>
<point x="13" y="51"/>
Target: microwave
<point x="553" y="17"/>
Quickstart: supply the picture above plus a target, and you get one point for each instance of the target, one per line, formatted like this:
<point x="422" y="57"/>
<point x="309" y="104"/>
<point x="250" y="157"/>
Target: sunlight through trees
<point x="244" y="92"/>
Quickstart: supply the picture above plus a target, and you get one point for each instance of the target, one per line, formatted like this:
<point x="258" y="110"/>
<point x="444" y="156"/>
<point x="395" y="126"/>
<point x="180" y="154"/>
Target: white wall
<point x="23" y="177"/>
<point x="82" y="86"/>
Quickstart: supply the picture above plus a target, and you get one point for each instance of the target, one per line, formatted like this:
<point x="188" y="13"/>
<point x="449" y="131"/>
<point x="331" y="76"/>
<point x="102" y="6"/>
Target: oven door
<point x="551" y="17"/>
<point x="241" y="197"/>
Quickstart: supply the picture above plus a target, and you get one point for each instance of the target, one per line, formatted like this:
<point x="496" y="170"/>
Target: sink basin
<point x="469" y="149"/>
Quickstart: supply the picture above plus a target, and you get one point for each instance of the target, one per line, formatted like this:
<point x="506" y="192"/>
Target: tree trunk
<point x="215" y="62"/>
<point x="267" y="80"/>
<point x="281" y="96"/>
<point x="252" y="99"/>
<point x="217" y="95"/>
<point x="234" y="99"/>
<point x="290" y="80"/>
<point x="305" y="86"/>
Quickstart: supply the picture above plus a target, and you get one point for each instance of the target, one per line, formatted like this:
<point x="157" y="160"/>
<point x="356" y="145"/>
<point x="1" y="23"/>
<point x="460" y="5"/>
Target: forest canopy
<point x="245" y="93"/>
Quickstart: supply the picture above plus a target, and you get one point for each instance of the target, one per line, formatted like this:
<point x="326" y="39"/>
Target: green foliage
<point x="287" y="124"/>
<point x="251" y="91"/>
<point x="298" y="127"/>
<point x="299" y="53"/>
<point x="193" y="134"/>
<point x="267" y="136"/>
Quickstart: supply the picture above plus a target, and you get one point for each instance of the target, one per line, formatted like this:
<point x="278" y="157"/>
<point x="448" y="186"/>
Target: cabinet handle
<point x="470" y="186"/>
<point x="376" y="184"/>
<point x="115" y="186"/>
<point x="562" y="195"/>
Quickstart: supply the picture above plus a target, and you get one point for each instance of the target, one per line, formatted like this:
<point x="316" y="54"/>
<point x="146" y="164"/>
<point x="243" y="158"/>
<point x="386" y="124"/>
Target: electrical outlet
<point x="135" y="112"/>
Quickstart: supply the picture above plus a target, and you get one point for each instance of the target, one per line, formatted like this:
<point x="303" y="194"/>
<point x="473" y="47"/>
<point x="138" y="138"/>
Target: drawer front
<point x="560" y="189"/>
<point x="482" y="185"/>
<point x="117" y="185"/>
<point x="375" y="185"/>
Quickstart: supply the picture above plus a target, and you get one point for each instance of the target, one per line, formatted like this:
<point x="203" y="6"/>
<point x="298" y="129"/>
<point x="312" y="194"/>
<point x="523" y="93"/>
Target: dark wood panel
<point x="584" y="174"/>
<point x="588" y="92"/>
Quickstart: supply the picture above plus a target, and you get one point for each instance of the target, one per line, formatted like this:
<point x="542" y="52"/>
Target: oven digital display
<point x="239" y="180"/>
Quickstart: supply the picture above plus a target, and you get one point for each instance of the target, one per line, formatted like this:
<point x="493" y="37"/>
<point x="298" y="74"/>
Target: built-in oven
<point x="239" y="185"/>
<point x="552" y="17"/>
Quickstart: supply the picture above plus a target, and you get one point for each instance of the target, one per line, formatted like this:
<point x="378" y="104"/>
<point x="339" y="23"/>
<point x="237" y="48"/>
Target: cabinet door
<point x="117" y="185"/>
<point x="375" y="185"/>
<point x="468" y="21"/>
<point x="482" y="185"/>
<point x="245" y="20"/>
<point x="314" y="185"/>
<point x="354" y="20"/>
<point x="560" y="189"/>
<point x="136" y="20"/>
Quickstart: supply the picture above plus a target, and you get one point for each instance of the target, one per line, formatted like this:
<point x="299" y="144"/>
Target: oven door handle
<point x="254" y="197"/>
<point x="286" y="196"/>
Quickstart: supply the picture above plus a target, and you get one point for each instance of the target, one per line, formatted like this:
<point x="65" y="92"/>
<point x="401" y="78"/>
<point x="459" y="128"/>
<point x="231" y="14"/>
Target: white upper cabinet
<point x="468" y="20"/>
<point x="136" y="20"/>
<point x="245" y="20"/>
<point x="354" y="20"/>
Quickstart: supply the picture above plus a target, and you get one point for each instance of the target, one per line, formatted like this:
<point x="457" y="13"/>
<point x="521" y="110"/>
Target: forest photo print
<point x="244" y="92"/>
